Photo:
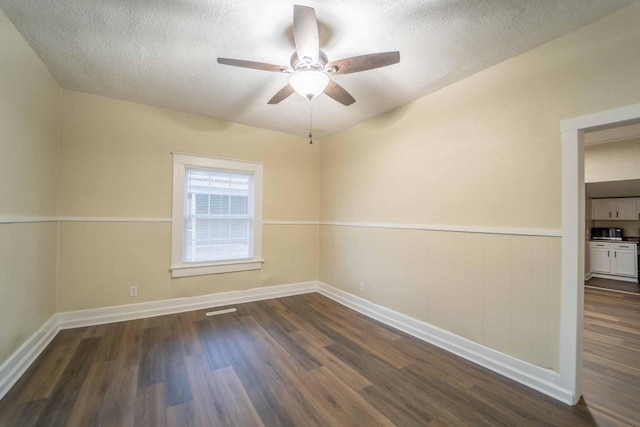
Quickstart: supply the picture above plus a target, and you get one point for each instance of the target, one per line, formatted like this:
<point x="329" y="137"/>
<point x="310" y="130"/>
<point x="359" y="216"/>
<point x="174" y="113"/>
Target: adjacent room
<point x="612" y="289"/>
<point x="319" y="213"/>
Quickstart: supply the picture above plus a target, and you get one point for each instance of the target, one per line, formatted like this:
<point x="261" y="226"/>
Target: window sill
<point x="216" y="268"/>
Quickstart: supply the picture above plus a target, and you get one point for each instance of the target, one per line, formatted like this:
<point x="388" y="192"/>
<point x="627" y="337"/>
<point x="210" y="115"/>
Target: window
<point x="217" y="216"/>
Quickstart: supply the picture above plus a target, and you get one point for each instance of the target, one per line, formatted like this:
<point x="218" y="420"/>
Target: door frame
<point x="573" y="236"/>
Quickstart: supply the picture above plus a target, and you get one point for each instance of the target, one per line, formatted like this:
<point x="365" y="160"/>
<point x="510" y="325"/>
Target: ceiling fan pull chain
<point x="310" y="120"/>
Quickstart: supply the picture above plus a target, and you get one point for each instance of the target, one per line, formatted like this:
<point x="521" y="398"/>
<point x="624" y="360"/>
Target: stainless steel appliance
<point x="598" y="233"/>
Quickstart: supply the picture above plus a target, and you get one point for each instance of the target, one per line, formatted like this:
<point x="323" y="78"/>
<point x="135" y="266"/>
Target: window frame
<point x="181" y="162"/>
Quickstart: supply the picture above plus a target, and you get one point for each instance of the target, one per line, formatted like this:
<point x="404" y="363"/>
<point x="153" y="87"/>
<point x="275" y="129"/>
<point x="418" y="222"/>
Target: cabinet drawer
<point x="624" y="246"/>
<point x="600" y="245"/>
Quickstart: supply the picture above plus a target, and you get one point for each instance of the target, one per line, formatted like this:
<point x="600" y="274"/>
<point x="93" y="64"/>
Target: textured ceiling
<point x="163" y="52"/>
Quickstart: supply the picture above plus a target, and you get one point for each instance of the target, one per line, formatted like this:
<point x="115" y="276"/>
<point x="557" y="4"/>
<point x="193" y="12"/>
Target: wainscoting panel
<point x="498" y="290"/>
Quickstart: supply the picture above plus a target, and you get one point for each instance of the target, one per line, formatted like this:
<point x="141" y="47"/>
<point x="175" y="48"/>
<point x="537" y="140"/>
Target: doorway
<point x="573" y="236"/>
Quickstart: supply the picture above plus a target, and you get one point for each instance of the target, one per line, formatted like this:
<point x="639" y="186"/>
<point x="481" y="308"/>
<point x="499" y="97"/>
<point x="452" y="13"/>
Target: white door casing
<point x="573" y="236"/>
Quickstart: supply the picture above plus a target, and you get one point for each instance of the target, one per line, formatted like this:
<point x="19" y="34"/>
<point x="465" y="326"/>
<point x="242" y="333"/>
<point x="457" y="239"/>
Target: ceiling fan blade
<point x="363" y="62"/>
<point x="281" y="95"/>
<point x="255" y="65"/>
<point x="337" y="92"/>
<point x="305" y="33"/>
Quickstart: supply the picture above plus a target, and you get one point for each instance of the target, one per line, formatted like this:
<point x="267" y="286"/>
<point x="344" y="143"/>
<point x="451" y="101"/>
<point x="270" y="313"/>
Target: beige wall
<point x="500" y="291"/>
<point x="29" y="99"/>
<point x="116" y="162"/>
<point x="482" y="152"/>
<point x="613" y="161"/>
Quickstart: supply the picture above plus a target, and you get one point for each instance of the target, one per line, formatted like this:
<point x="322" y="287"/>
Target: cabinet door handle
<point x="608" y="254"/>
<point x="615" y="254"/>
<point x="616" y="214"/>
<point x="609" y="214"/>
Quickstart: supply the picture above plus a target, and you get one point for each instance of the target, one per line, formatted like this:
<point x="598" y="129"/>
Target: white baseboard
<point x="587" y="276"/>
<point x="17" y="364"/>
<point x="612" y="277"/>
<point x="120" y="313"/>
<point x="541" y="379"/>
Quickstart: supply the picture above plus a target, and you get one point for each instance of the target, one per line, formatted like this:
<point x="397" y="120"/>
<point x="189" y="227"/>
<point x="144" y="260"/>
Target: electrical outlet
<point x="361" y="286"/>
<point x="133" y="291"/>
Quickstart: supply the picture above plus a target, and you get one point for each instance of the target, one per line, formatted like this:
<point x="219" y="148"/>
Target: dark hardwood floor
<point x="611" y="356"/>
<point x="613" y="285"/>
<point x="296" y="361"/>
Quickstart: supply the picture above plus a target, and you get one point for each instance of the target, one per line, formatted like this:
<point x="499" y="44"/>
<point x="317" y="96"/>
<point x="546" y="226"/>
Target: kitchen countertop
<point x="624" y="240"/>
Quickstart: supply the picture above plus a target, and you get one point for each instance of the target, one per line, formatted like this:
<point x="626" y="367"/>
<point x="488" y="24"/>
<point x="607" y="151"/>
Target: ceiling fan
<point x="310" y="68"/>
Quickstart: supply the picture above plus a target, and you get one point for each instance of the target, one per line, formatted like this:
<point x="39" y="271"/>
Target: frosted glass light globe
<point x="309" y="83"/>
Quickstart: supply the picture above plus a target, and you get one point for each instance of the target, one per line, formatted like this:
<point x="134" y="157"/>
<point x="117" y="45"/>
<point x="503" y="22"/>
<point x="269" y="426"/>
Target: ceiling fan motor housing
<point x="299" y="65"/>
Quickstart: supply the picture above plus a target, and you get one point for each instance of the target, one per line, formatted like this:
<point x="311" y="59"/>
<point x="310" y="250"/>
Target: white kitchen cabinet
<point x="615" y="209"/>
<point x="625" y="209"/>
<point x="624" y="260"/>
<point x="600" y="254"/>
<point x="602" y="208"/>
<point x="613" y="259"/>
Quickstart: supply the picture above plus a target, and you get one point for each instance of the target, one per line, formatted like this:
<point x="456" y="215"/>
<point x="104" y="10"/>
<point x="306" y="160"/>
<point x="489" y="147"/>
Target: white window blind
<point x="216" y="220"/>
<point x="218" y="217"/>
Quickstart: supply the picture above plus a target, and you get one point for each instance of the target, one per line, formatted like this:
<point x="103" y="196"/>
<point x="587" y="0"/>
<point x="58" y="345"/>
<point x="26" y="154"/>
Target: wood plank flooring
<point x="611" y="356"/>
<point x="295" y="361"/>
<point x="613" y="285"/>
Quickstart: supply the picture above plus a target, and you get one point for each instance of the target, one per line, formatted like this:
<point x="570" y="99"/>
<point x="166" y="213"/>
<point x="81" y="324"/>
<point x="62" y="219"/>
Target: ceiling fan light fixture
<point x="309" y="83"/>
<point x="310" y="68"/>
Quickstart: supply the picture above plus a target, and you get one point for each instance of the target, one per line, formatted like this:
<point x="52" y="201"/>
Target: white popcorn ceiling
<point x="163" y="52"/>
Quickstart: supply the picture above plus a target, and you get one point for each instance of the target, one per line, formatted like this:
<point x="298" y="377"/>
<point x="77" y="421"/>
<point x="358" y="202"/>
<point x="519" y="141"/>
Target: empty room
<point x="318" y="213"/>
